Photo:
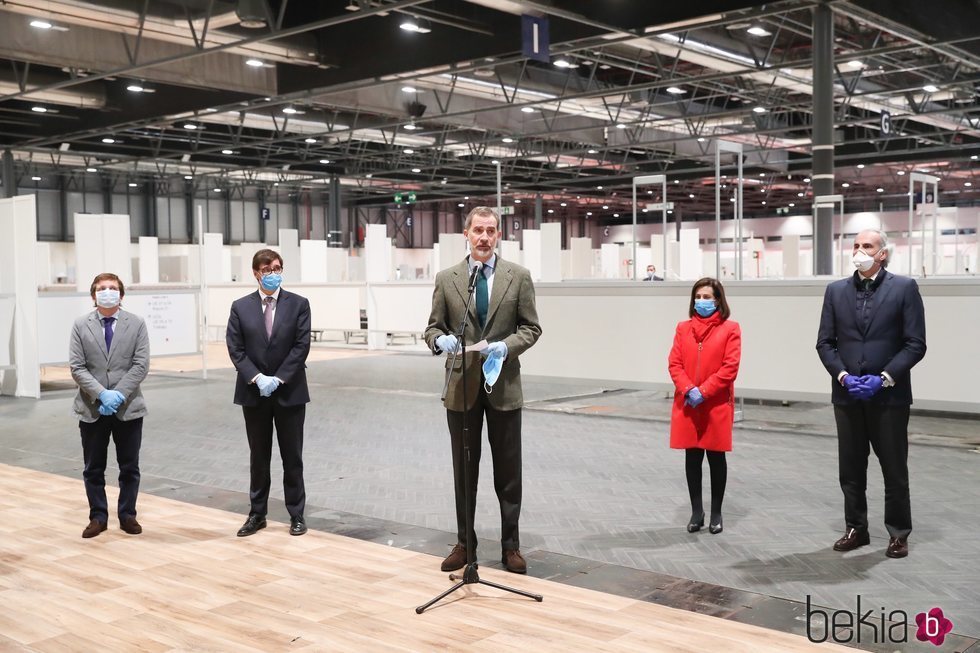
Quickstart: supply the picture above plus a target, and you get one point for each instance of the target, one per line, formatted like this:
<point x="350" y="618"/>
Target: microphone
<point x="477" y="266"/>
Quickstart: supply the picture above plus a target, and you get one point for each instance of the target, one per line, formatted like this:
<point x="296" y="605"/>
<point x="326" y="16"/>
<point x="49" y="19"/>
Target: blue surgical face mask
<point x="108" y="298"/>
<point x="705" y="307"/>
<point x="491" y="371"/>
<point x="271" y="281"/>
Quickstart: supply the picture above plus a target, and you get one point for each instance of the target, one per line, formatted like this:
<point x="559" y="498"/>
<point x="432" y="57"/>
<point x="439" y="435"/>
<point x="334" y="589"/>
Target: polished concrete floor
<point x="605" y="498"/>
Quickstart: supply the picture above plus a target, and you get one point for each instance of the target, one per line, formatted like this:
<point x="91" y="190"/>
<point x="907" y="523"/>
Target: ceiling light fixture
<point x="254" y="63"/>
<point x="133" y="184"/>
<point x="593" y="151"/>
<point x="527" y="109"/>
<point x="35" y="178"/>
<point x="326" y="161"/>
<point x="930" y="88"/>
<point x="227" y="151"/>
<point x="310" y="140"/>
<point x="900" y="173"/>
<point x="759" y="109"/>
<point x="90" y="170"/>
<point x="109" y="141"/>
<point x="188" y="177"/>
<point x="758" y="30"/>
<point x="416" y="170"/>
<point x="39" y="109"/>
<point x="860" y="166"/>
<point x="415" y="24"/>
<point x="409" y="89"/>
<point x="495" y="162"/>
<point x="564" y="62"/>
<point x="252" y="14"/>
<point x="880" y="190"/>
<point x="135" y="88"/>
<point x="845" y="185"/>
<point x="518" y="201"/>
<point x="408" y="150"/>
<point x="675" y="90"/>
<point x="41" y="24"/>
<point x="605" y="207"/>
<point x="217" y="190"/>
<point x="507" y="139"/>
<point x="290" y="110"/>
<point x="410" y="127"/>
<point x="190" y="125"/>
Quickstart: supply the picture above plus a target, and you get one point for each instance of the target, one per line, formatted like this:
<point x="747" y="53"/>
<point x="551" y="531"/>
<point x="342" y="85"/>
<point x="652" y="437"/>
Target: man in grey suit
<point x="872" y="332"/>
<point x="109" y="355"/>
<point x="504" y="314"/>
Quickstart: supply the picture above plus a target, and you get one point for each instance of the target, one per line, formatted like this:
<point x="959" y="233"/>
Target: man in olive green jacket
<point x="502" y="313"/>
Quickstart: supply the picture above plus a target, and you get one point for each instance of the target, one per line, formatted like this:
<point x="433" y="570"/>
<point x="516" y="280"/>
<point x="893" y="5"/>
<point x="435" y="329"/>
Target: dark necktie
<point x="482" y="298"/>
<point x="269" y="303"/>
<point x="107" y="321"/>
<point x="866" y="284"/>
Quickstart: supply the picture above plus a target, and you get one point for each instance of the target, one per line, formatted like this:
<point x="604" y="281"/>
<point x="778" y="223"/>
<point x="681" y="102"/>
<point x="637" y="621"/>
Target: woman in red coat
<point x="703" y="364"/>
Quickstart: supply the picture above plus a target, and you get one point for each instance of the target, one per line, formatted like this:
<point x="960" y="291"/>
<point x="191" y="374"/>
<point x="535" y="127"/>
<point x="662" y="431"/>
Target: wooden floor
<point x="188" y="584"/>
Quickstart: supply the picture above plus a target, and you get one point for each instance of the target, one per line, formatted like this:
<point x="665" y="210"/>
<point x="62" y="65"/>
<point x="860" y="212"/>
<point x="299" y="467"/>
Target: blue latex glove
<point x="118" y="399"/>
<point x="495" y="350"/>
<point x="694" y="398"/>
<point x="105" y="410"/>
<point x="266" y="384"/>
<point x="447" y="343"/>
<point x="106" y="397"/>
<point x="872" y="383"/>
<point x="850" y="382"/>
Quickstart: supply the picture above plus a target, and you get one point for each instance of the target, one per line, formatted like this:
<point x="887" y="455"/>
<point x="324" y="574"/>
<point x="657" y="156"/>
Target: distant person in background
<point x="872" y="332"/>
<point x="109" y="356"/>
<point x="703" y="364"/>
<point x="268" y="338"/>
<point x="652" y="274"/>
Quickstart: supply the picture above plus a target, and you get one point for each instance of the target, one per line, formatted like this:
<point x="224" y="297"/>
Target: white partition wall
<point x="657" y="251"/>
<point x="791" y="255"/>
<point x="313" y="261"/>
<point x="42" y="265"/>
<point x="149" y="260"/>
<point x="18" y="297"/>
<point x="510" y="250"/>
<point x="377" y="267"/>
<point x="289" y="250"/>
<point x="101" y="245"/>
<point x="532" y="253"/>
<point x="691" y="260"/>
<point x="338" y="265"/>
<point x="452" y="249"/>
<point x="246" y="251"/>
<point x="581" y="253"/>
<point x="551" y="251"/>
<point x="612" y="264"/>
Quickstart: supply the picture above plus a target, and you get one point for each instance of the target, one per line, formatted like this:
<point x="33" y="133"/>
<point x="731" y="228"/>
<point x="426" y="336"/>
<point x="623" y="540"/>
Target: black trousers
<point x="504" y="435"/>
<point x="860" y="428"/>
<point x="288" y="422"/>
<point x="128" y="436"/>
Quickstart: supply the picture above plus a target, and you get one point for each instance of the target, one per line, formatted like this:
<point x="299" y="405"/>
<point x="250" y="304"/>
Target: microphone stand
<point x="470" y="574"/>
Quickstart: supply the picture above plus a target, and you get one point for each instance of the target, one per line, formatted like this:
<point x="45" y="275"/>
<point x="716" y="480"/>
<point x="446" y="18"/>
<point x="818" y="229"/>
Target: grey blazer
<point x="123" y="368"/>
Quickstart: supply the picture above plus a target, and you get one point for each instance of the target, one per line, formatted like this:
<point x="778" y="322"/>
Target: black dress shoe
<point x="252" y="525"/>
<point x="513" y="561"/>
<point x="716" y="526"/>
<point x="455" y="560"/>
<point x="897" y="548"/>
<point x="94" y="528"/>
<point x="297" y="526"/>
<point x="130" y="525"/>
<point x="852" y="539"/>
<point x="697" y="521"/>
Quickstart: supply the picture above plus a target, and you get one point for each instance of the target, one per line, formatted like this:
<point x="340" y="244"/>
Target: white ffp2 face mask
<point x="108" y="298"/>
<point x="863" y="261"/>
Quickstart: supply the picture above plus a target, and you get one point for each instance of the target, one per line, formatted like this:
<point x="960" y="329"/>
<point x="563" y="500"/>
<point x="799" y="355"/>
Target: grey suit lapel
<point x="95" y="326"/>
<point x="461" y="277"/>
<point x="502" y="278"/>
<point x="880" y="298"/>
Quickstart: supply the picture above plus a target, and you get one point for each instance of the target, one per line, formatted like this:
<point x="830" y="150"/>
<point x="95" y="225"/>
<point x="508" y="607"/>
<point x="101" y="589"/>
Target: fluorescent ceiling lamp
<point x="930" y="88"/>
<point x="758" y="30"/>
<point x="188" y="177"/>
<point x="901" y="173"/>
<point x="408" y="150"/>
<point x="409" y="89"/>
<point x="518" y="201"/>
<point x="109" y="141"/>
<point x="759" y="109"/>
<point x="310" y="140"/>
<point x="562" y="62"/>
<point x="845" y="185"/>
<point x="620" y="126"/>
<point x="290" y="110"/>
<point x="227" y="151"/>
<point x="324" y="161"/>
<point x="675" y="90"/>
<point x="190" y="125"/>
<point x="133" y="184"/>
<point x="415" y="24"/>
<point x="527" y="109"/>
<point x="41" y="24"/>
<point x="880" y="190"/>
<point x="855" y="63"/>
<point x="410" y="127"/>
<point x="254" y="63"/>
<point x="860" y="166"/>
<point x="593" y="151"/>
<point x="90" y="170"/>
<point x="39" y="109"/>
<point x="416" y="169"/>
<point x="507" y="139"/>
<point x="217" y="190"/>
<point x="35" y="179"/>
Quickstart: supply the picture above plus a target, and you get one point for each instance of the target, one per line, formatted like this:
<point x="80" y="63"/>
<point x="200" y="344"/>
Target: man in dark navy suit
<point x="268" y="338"/>
<point x="872" y="332"/>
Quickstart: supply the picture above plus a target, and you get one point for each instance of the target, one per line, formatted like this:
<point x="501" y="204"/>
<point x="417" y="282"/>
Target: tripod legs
<point x="471" y="576"/>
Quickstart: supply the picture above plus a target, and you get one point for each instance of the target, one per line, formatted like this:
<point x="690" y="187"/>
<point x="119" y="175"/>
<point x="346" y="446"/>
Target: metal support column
<point x="823" y="136"/>
<point x="537" y="211"/>
<point x="263" y="224"/>
<point x="63" y="207"/>
<point x="9" y="175"/>
<point x="334" y="235"/>
<point x="192" y="219"/>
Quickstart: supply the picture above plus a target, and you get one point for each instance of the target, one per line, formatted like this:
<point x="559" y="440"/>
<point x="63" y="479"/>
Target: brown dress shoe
<point x="130" y="525"/>
<point x="456" y="559"/>
<point x="514" y="561"/>
<point x="897" y="548"/>
<point x="852" y="539"/>
<point x="94" y="528"/>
